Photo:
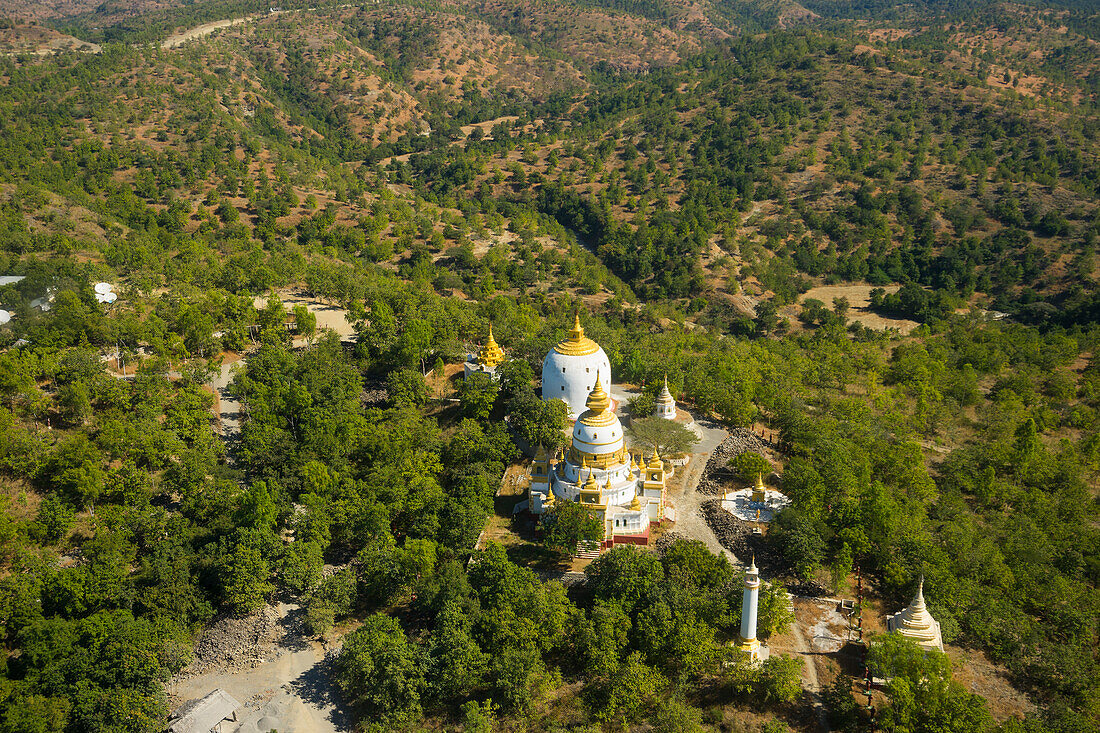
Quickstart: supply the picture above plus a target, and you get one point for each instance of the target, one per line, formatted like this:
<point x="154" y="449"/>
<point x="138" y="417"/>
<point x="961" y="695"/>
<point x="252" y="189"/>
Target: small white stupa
<point x="665" y="405"/>
<point x="916" y="623"/>
<point x="750" y="646"/>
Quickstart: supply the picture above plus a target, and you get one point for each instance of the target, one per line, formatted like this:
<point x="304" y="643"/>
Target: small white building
<point x="215" y="713"/>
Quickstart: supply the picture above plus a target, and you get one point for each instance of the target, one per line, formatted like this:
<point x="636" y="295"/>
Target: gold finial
<point x="590" y="484"/>
<point x="760" y="480"/>
<point x="598" y="400"/>
<point x="576" y="343"/>
<point x="577" y="332"/>
<point x="635" y="505"/>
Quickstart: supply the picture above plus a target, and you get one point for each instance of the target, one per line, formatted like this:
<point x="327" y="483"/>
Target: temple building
<point x="747" y="643"/>
<point x="665" y="405"/>
<point x="623" y="489"/>
<point x="569" y="370"/>
<point x="916" y="623"/>
<point x="487" y="359"/>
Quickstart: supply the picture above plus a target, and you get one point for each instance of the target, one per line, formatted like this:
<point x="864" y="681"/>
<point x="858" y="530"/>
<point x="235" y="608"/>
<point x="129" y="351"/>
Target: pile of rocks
<point x="737" y="537"/>
<point x="232" y="644"/>
<point x="375" y="397"/>
<point x="730" y="531"/>
<point x="667" y="540"/>
<point x="717" y="475"/>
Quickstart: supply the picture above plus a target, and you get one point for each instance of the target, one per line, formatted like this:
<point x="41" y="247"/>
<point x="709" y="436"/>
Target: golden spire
<point x="576" y="343"/>
<point x="655" y="461"/>
<point x="491" y="354"/>
<point x="590" y="484"/>
<point x="608" y="484"/>
<point x="598" y="401"/>
<point x="635" y="505"/>
<point x="577" y="332"/>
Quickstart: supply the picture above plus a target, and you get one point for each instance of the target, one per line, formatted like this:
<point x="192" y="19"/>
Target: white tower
<point x="748" y="643"/>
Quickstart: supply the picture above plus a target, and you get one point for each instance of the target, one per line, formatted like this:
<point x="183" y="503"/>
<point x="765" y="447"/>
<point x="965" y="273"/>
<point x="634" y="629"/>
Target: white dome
<point x="569" y="371"/>
<point x="597" y="440"/>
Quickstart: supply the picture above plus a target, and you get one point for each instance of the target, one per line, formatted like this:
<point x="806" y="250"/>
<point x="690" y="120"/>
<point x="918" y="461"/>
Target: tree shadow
<point x="317" y="686"/>
<point x="295" y="638"/>
<point x="537" y="557"/>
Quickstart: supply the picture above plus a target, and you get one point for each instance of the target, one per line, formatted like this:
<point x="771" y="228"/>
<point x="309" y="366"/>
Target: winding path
<point x="811" y="682"/>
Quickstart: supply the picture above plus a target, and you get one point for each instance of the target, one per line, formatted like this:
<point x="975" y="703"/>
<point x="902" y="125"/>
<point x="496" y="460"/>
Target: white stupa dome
<point x="103" y="288"/>
<point x="598" y="430"/>
<point x="916" y="623"/>
<point x="4" y="316"/>
<point x="569" y="370"/>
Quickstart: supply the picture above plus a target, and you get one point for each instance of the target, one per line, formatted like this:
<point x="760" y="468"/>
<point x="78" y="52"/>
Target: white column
<point x="749" y="603"/>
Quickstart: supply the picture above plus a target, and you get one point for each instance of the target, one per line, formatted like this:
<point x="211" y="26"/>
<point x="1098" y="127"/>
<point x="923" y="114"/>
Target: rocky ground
<point x="281" y="675"/>
<point x="233" y="644"/>
<point x="717" y="477"/>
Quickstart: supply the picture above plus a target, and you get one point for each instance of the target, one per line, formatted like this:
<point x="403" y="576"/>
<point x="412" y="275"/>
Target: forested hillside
<point x="681" y="173"/>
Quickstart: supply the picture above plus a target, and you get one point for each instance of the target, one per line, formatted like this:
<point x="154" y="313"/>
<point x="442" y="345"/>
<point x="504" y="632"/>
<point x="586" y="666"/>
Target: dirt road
<point x="229" y="409"/>
<point x="205" y="29"/>
<point x="689" y="518"/>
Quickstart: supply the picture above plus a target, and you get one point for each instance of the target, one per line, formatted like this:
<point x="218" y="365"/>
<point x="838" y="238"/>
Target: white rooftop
<point x="201" y="716"/>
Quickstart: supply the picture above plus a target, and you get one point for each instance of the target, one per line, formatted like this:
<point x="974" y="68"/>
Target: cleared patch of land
<point x="859" y="298"/>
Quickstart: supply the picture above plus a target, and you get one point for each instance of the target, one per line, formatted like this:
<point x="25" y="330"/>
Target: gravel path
<point x="810" y="681"/>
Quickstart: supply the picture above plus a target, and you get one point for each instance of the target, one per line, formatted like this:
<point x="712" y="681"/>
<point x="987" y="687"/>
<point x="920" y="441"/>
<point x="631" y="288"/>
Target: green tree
<point x="780" y="679"/>
<point x="538" y="421"/>
<point x="407" y="388"/>
<point x="456" y="664"/>
<point x="477" y="394"/>
<point x="302" y="565"/>
<point x="749" y="465"/>
<point x="566" y="524"/>
<point x="379" y="670"/>
<point x="667" y="437"/>
<point x="923" y="696"/>
<point x="632" y="692"/>
<point x="244" y="574"/>
<point x="515" y="376"/>
<point x="625" y="574"/>
<point x="305" y="321"/>
<point x="692" y="561"/>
